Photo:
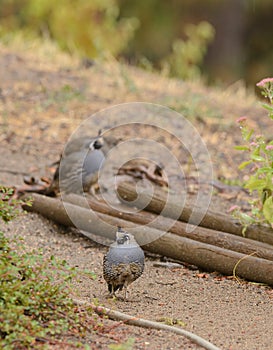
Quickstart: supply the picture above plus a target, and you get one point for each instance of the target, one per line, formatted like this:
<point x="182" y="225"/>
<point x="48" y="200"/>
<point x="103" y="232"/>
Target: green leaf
<point x="244" y="164"/>
<point x="265" y="170"/>
<point x="246" y="218"/>
<point x="248" y="135"/>
<point x="268" y="209"/>
<point x="257" y="158"/>
<point x="242" y="148"/>
<point x="267" y="106"/>
<point x="256" y="184"/>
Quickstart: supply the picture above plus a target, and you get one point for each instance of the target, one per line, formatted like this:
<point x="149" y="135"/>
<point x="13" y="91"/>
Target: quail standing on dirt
<point x="123" y="263"/>
<point x="78" y="169"/>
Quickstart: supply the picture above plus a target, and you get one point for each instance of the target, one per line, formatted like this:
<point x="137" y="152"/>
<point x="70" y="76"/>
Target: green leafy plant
<point x="35" y="306"/>
<point x="260" y="165"/>
<point x="187" y="55"/>
<point x="88" y="28"/>
<point x="9" y="206"/>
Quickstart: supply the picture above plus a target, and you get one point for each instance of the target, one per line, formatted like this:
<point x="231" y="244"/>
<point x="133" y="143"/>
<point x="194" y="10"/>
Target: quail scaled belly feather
<point x="123" y="263"/>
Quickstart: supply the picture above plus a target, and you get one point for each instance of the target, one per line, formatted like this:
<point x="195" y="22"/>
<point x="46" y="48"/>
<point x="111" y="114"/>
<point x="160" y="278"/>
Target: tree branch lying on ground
<point x="214" y="220"/>
<point x="206" y="256"/>
<point x="218" y="238"/>
<point x="141" y="322"/>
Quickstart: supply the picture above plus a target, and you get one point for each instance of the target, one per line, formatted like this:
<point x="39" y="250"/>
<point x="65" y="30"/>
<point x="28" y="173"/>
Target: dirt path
<point x="42" y="101"/>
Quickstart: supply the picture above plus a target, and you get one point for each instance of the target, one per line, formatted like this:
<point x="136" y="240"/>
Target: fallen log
<point x="74" y="216"/>
<point x="204" y="255"/>
<point x="214" y="220"/>
<point x="218" y="238"/>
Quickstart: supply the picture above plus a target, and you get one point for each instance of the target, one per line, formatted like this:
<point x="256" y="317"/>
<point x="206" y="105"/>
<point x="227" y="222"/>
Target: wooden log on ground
<point x="206" y="256"/>
<point x="213" y="220"/>
<point x="220" y="239"/>
<point x="75" y="216"/>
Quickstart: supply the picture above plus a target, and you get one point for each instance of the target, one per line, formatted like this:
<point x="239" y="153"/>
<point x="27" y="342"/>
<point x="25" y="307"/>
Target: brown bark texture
<point x="206" y="256"/>
<point x="214" y="220"/>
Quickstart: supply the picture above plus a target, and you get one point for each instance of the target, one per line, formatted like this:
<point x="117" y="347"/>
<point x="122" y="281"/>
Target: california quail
<point x="78" y="169"/>
<point x="123" y="263"/>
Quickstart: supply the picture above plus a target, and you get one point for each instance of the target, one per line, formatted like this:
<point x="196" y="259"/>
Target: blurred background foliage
<point x="220" y="41"/>
<point x="90" y="28"/>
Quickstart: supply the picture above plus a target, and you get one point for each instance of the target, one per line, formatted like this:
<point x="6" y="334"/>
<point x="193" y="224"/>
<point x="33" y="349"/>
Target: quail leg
<point x="94" y="189"/>
<point x="111" y="290"/>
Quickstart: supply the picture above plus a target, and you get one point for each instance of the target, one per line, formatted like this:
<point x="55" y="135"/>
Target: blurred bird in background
<point x="77" y="171"/>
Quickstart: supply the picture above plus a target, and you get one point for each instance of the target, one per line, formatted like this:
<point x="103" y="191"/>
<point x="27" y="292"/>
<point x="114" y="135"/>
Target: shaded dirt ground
<point x="44" y="96"/>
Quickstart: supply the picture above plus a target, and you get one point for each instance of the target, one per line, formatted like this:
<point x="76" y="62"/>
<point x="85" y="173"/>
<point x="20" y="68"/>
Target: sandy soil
<point x="42" y="100"/>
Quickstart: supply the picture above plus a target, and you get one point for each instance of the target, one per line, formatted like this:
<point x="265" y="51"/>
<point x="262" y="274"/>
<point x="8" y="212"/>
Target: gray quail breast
<point x="123" y="263"/>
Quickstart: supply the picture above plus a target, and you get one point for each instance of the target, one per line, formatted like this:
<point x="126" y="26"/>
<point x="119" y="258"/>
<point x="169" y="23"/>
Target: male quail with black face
<point x="123" y="263"/>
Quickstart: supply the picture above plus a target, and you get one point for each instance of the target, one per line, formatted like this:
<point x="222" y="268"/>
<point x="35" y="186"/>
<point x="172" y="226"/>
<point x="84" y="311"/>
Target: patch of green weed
<point x="35" y="304"/>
